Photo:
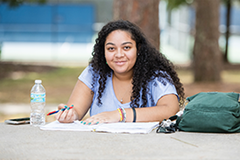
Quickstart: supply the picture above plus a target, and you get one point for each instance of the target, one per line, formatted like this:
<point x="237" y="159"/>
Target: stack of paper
<point x="104" y="127"/>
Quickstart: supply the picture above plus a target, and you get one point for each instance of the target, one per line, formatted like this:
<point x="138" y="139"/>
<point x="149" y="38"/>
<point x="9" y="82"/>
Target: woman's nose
<point x="119" y="53"/>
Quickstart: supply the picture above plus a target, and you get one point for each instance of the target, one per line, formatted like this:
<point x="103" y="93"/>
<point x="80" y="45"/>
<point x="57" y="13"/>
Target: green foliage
<point x="0" y="50"/>
<point x="17" y="3"/>
<point x="172" y="4"/>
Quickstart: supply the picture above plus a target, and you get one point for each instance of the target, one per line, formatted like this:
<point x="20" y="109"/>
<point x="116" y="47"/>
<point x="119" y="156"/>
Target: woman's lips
<point x="120" y="62"/>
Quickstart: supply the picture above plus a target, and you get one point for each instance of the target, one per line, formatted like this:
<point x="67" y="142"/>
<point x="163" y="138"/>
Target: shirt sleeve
<point x="86" y="77"/>
<point x="162" y="87"/>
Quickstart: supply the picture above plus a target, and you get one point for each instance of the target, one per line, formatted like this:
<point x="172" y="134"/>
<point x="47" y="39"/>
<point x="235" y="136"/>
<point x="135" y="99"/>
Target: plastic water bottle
<point x="38" y="97"/>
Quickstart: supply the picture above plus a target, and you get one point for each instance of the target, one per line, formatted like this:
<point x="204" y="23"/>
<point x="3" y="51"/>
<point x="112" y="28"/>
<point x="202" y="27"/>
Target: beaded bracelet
<point x="122" y="113"/>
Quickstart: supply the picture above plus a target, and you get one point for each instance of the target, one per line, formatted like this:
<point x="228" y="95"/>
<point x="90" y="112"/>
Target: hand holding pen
<point x="64" y="114"/>
<point x="63" y="109"/>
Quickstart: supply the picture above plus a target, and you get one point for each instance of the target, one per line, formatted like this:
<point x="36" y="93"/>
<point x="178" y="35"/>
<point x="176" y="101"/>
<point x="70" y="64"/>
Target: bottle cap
<point x="38" y="81"/>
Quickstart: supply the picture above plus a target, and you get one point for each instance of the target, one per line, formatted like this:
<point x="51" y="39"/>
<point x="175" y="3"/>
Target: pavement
<point x="27" y="142"/>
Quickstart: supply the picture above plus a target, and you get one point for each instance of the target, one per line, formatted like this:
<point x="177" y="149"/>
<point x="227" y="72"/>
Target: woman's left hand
<point x="104" y="117"/>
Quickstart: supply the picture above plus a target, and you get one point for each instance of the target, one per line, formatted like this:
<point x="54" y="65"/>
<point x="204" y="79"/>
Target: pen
<point x="53" y="112"/>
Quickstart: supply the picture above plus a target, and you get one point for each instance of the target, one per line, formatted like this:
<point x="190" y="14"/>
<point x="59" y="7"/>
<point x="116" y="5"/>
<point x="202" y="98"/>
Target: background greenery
<point x="58" y="83"/>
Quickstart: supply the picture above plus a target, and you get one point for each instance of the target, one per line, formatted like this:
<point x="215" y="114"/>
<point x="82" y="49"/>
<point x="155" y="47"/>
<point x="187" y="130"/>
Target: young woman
<point x="127" y="80"/>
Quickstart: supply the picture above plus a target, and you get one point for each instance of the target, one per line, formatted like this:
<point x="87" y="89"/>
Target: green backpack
<point x="212" y="112"/>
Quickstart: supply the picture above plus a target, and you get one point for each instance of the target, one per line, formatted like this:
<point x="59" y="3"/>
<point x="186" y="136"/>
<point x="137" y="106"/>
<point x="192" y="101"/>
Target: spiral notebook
<point x="141" y="128"/>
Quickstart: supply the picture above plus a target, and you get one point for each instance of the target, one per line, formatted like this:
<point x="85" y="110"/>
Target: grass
<point x="231" y="76"/>
<point x="58" y="84"/>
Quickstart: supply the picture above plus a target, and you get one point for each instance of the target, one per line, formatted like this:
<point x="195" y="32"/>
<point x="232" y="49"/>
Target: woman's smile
<point x="120" y="63"/>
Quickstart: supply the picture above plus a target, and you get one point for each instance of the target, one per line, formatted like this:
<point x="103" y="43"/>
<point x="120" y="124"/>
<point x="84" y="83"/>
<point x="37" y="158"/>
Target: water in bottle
<point x="38" y="96"/>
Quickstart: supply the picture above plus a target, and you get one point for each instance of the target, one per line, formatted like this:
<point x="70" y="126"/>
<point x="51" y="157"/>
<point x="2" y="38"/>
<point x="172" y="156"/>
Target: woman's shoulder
<point x="88" y="76"/>
<point x="89" y="70"/>
<point x="161" y="76"/>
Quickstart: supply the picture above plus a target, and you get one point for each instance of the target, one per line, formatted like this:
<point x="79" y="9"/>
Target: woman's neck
<point x="123" y="77"/>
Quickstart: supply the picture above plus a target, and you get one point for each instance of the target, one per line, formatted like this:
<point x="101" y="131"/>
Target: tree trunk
<point x="144" y="13"/>
<point x="207" y="56"/>
<point x="228" y="17"/>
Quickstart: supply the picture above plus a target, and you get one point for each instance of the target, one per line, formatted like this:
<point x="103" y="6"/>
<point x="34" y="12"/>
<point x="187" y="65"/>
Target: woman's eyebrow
<point x="110" y="43"/>
<point x="126" y="43"/>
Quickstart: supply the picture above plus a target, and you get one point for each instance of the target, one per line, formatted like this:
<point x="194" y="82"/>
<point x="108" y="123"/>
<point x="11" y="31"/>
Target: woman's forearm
<point x="166" y="107"/>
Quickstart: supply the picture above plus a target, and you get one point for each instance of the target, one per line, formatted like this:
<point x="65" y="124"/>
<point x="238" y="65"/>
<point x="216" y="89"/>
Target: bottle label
<point x="38" y="97"/>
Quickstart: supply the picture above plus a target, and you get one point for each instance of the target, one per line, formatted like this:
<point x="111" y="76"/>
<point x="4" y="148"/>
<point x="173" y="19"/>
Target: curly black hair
<point x="148" y="64"/>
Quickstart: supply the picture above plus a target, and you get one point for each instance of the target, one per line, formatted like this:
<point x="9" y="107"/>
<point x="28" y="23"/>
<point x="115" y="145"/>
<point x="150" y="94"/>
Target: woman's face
<point x="120" y="52"/>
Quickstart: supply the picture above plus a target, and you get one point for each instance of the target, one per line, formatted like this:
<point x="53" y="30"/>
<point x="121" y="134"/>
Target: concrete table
<point x="27" y="142"/>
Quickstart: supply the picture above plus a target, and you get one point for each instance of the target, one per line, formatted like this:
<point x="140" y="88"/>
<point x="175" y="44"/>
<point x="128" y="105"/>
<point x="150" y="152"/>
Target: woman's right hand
<point x="66" y="116"/>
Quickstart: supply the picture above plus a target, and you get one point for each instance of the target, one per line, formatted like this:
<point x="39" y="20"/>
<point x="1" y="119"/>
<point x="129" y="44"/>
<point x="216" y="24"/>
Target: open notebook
<point x="104" y="127"/>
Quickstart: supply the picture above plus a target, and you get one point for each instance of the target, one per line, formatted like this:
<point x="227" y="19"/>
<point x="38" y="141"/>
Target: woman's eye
<point x="127" y="47"/>
<point x="110" y="49"/>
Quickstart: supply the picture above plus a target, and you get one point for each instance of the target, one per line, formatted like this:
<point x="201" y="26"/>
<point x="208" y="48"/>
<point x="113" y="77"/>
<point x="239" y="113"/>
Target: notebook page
<point x="104" y="127"/>
<point x="127" y="127"/>
<point x="75" y="126"/>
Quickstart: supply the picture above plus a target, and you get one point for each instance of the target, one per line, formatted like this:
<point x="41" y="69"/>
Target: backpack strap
<point x="168" y="126"/>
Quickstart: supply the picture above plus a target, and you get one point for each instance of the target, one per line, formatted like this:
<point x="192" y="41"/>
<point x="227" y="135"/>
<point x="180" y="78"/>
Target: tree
<point x="207" y="55"/>
<point x="16" y="3"/>
<point x="144" y="13"/>
<point x="228" y="4"/>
